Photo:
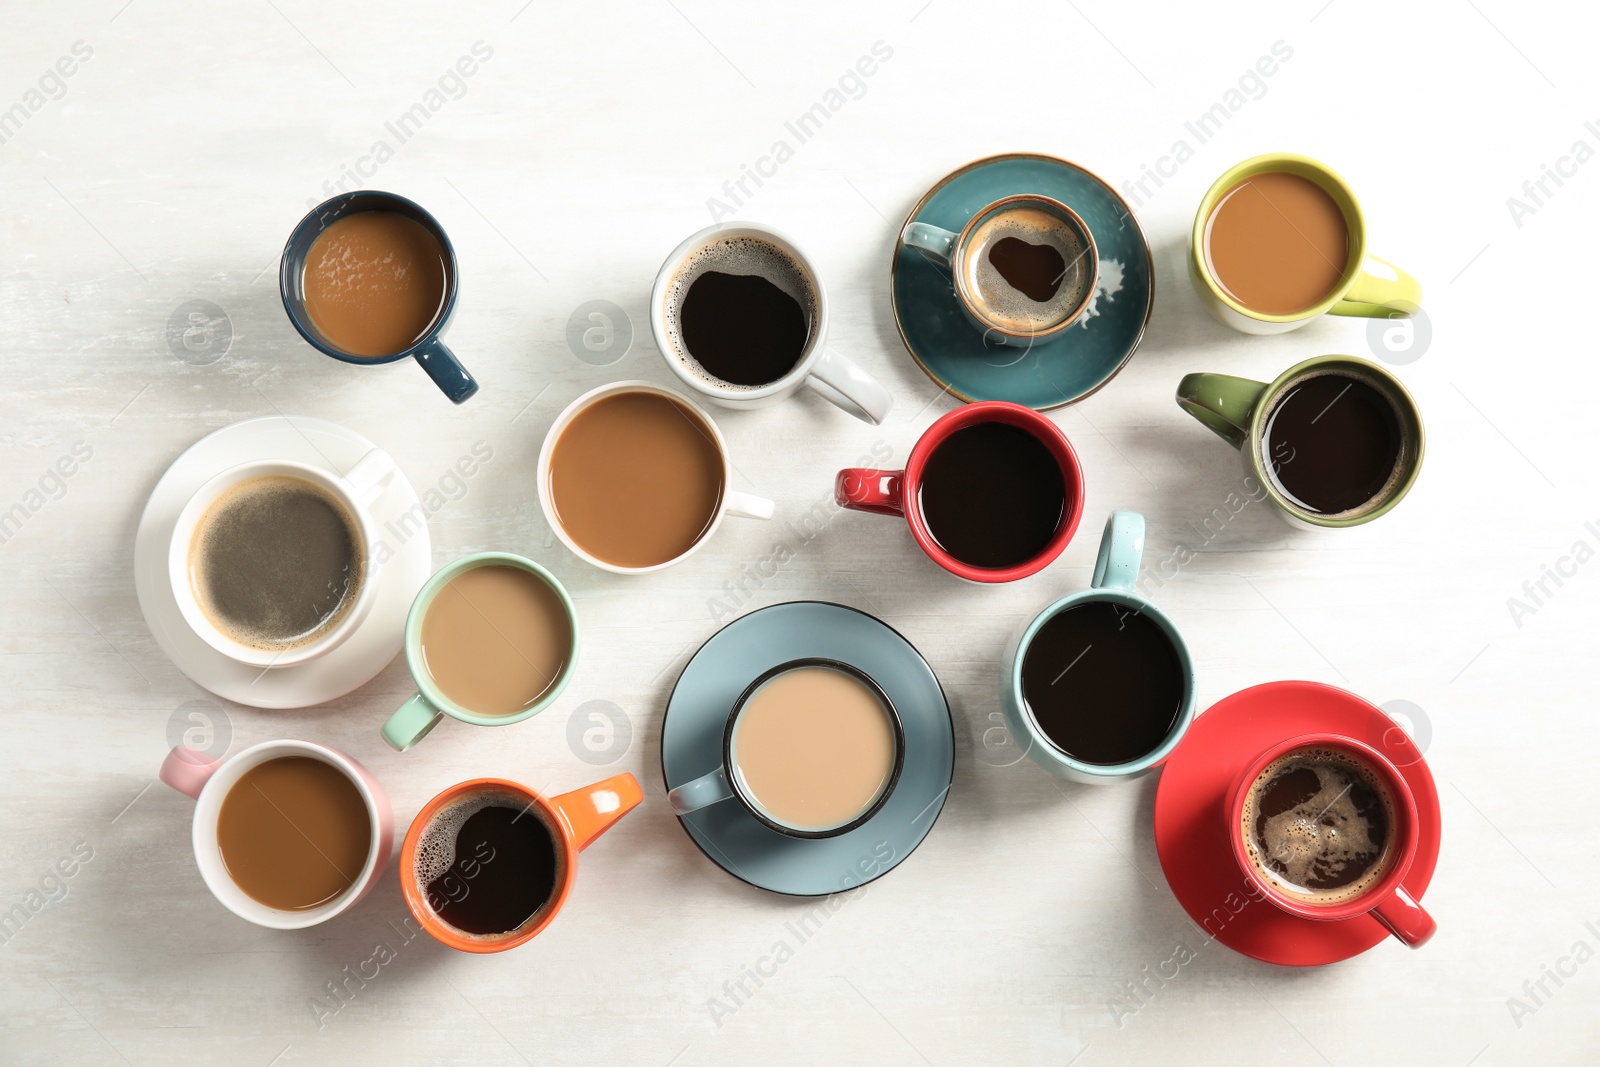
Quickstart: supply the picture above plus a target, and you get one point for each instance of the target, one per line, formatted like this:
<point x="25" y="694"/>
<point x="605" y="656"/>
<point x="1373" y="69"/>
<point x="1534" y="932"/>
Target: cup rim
<point x="1023" y="418"/>
<point x="1041" y="742"/>
<point x="1303" y="166"/>
<point x="182" y="538"/>
<point x="736" y="786"/>
<point x="204" y="834"/>
<point x="419" y="610"/>
<point x="969" y="300"/>
<point x="295" y="308"/>
<point x="442" y="931"/>
<point x="563" y="420"/>
<point x="815" y="344"/>
<point x="1405" y="814"/>
<point x="1407" y="412"/>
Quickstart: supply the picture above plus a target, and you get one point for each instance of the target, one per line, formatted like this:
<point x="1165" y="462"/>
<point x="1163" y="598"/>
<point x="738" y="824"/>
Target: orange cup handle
<point x="591" y="810"/>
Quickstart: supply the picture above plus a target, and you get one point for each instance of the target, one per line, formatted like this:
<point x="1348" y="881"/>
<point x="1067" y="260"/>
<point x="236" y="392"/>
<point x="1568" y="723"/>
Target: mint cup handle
<point x="411" y="723"/>
<point x="1121" y="549"/>
<point x="1221" y="403"/>
<point x="938" y="243"/>
<point x="708" y="789"/>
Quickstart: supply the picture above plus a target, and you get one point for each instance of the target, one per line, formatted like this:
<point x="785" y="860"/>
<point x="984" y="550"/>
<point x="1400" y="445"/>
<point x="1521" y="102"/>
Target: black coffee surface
<point x="742" y="328"/>
<point x="275" y="561"/>
<point x="1033" y="270"/>
<point x="504" y="871"/>
<point x="1335" y="442"/>
<point x="992" y="495"/>
<point x="1103" y="682"/>
<point x="1319" y="826"/>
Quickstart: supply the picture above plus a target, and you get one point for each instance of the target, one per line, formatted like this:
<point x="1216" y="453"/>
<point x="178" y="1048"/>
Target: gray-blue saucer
<point x="697" y="712"/>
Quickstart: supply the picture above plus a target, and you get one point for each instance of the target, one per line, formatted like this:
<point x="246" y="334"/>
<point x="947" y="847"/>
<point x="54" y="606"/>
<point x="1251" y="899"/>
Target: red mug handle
<point x="880" y="492"/>
<point x="1405" y="918"/>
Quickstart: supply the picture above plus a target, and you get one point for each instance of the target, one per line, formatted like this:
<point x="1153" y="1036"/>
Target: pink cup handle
<point x="188" y="770"/>
<point x="1405" y="918"/>
<point x="880" y="492"/>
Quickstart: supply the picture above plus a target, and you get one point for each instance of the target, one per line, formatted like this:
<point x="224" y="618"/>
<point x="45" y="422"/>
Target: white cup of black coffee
<point x="271" y="562"/>
<point x="741" y="317"/>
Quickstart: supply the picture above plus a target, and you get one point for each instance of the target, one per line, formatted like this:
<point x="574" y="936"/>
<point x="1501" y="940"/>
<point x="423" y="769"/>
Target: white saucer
<point x="366" y="651"/>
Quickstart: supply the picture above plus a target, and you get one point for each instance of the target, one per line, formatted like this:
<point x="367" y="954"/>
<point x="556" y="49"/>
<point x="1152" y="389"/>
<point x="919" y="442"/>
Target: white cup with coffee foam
<point x="746" y="250"/>
<point x="1024" y="268"/>
<point x="351" y="495"/>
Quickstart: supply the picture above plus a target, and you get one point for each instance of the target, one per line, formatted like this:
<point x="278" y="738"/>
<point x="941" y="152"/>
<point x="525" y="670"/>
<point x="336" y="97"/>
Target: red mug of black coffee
<point x="1326" y="828"/>
<point x="992" y="492"/>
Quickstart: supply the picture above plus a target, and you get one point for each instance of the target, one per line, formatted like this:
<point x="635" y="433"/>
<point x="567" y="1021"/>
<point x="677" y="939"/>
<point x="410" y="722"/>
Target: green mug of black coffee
<point x="1335" y="441"/>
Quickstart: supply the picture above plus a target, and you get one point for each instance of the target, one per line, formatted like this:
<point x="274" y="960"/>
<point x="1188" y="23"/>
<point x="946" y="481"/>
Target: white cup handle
<point x="371" y="476"/>
<point x="748" y="506"/>
<point x="843" y="382"/>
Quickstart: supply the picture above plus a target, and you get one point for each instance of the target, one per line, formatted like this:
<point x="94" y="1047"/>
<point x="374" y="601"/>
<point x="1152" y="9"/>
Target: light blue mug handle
<point x="938" y="243"/>
<point x="704" y="791"/>
<point x="1121" y="548"/>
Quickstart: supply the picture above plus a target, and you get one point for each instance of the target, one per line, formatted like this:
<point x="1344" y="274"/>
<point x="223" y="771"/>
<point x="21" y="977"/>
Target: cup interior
<point x="671" y="286"/>
<point x="975" y="302"/>
<point x="417" y="660"/>
<point x="746" y="794"/>
<point x="180" y="561"/>
<point x="564" y="420"/>
<point x="1282" y="163"/>
<point x="292" y="267"/>
<point x="1402" y="845"/>
<point x="1125" y="601"/>
<point x="1044" y="431"/>
<point x="208" y="852"/>
<point x="1408" y="463"/>
<point x="439" y="807"/>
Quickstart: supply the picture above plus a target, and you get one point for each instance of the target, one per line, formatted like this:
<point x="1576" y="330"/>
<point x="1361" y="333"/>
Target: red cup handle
<point x="879" y="492"/>
<point x="1405" y="918"/>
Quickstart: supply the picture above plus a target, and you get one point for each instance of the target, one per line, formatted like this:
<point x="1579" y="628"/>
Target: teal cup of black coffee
<point x="1100" y="686"/>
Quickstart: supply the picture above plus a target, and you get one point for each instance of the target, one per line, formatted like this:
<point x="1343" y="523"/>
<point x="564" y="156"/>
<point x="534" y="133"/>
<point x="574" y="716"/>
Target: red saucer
<point x="1193" y="843"/>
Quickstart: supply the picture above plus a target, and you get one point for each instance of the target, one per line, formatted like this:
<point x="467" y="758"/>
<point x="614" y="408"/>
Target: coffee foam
<point x="436" y="846"/>
<point x="734" y="255"/>
<point x="215" y="524"/>
<point x="1002" y="303"/>
<point x="1323" y="834"/>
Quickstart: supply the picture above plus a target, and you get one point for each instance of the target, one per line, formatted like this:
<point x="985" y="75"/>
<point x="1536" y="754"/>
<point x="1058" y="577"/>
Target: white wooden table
<point x="589" y="139"/>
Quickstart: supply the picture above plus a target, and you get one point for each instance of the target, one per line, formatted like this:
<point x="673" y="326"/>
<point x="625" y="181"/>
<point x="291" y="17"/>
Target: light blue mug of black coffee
<point x="1100" y="687"/>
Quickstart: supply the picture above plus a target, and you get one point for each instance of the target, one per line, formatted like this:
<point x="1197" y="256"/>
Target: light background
<point x="183" y="152"/>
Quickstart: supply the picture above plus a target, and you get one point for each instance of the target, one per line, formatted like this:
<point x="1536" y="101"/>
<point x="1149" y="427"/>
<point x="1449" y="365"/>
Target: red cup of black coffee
<point x="992" y="492"/>
<point x="1326" y="828"/>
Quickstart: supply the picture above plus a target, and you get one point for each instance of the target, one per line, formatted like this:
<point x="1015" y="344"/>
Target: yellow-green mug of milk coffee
<point x="1279" y="240"/>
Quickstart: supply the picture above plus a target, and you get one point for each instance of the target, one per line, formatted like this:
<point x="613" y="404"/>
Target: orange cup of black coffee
<point x="488" y="863"/>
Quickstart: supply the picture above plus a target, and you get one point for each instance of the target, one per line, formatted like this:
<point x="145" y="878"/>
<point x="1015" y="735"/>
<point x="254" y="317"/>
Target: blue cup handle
<point x="446" y="371"/>
<point x="708" y="789"/>
<point x="938" y="243"/>
<point x="1121" y="548"/>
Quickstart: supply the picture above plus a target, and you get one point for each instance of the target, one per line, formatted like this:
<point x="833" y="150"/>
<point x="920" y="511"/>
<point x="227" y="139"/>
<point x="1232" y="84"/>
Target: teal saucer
<point x="691" y="745"/>
<point x="1066" y="368"/>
